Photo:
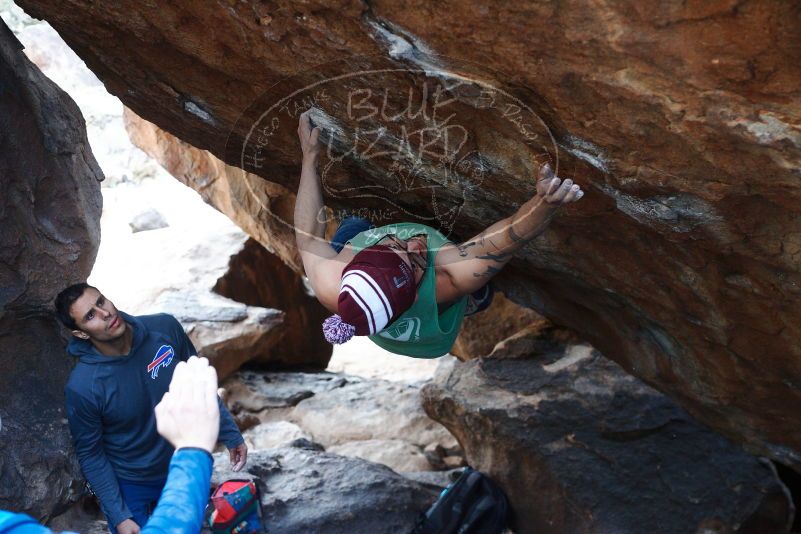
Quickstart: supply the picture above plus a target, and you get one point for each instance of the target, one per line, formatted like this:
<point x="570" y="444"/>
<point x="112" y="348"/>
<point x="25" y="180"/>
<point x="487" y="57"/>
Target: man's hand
<point x="239" y="456"/>
<point x="310" y="221"/>
<point x="309" y="137"/>
<point x="128" y="526"/>
<point x="188" y="414"/>
<point x="553" y="190"/>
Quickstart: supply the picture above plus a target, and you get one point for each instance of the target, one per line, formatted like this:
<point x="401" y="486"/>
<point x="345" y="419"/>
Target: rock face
<point x="311" y="491"/>
<point x="580" y="446"/>
<point x="400" y="456"/>
<point x="482" y="331"/>
<point x="260" y="207"/>
<point x="265" y="275"/>
<point x="258" y="278"/>
<point x="227" y="333"/>
<point x="49" y="216"/>
<point x="394" y="413"/>
<point x="271" y="435"/>
<point x="192" y="256"/>
<point x="680" y="119"/>
<point x="373" y="419"/>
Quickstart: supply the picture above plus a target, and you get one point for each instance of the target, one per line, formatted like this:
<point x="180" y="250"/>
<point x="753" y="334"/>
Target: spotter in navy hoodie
<point x="110" y="402"/>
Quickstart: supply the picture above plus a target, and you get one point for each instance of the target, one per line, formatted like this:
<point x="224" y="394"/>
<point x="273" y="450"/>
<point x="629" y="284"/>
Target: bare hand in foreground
<point x="309" y="137"/>
<point x="188" y="414"/>
<point x="128" y="526"/>
<point x="554" y="191"/>
<point x="239" y="456"/>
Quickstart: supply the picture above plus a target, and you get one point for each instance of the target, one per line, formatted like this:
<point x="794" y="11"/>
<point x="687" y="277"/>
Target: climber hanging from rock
<point x="405" y="285"/>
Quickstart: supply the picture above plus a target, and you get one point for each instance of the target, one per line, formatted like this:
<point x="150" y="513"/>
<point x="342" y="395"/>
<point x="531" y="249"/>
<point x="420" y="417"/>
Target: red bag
<point x="235" y="508"/>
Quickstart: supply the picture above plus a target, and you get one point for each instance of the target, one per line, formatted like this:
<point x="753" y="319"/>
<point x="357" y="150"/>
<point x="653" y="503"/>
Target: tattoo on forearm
<point x="489" y="272"/>
<point x="500" y="258"/>
<point x="463" y="248"/>
<point x="520" y="240"/>
<point x="514" y="237"/>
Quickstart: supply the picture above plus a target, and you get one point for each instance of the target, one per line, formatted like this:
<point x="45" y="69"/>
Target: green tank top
<point x="421" y="332"/>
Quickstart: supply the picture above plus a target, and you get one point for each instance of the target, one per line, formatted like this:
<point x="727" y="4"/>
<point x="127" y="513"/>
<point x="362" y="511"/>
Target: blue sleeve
<point x="87" y="435"/>
<point x="229" y="432"/>
<point x="11" y="523"/>
<point x="183" y="500"/>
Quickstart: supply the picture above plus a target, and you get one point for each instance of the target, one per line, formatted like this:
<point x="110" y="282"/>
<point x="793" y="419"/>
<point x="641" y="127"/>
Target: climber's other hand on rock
<point x="555" y="191"/>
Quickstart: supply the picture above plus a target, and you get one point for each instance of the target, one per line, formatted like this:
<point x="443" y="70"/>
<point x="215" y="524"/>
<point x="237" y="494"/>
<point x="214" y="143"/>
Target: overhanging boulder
<point x="679" y="119"/>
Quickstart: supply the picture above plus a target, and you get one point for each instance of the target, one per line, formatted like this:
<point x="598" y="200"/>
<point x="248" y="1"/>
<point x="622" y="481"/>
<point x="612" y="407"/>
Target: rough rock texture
<point x="580" y="446"/>
<point x="275" y="434"/>
<point x="258" y="278"/>
<point x="228" y="333"/>
<point x="49" y="232"/>
<point x="366" y="410"/>
<point x="311" y="491"/>
<point x="400" y="456"/>
<point x="540" y="337"/>
<point x="258" y="392"/>
<point x="482" y="331"/>
<point x="102" y="112"/>
<point x="681" y="119"/>
<point x="374" y="419"/>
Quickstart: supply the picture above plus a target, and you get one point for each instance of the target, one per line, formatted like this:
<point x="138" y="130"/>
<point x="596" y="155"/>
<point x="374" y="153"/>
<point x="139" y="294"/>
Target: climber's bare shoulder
<point x="324" y="270"/>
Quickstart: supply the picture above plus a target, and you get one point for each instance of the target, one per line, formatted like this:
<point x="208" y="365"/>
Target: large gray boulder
<point x="377" y="420"/>
<point x="305" y="490"/>
<point x="579" y="446"/>
<point x="49" y="232"/>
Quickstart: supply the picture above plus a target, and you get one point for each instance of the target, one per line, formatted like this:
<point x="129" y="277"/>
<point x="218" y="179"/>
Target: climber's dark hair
<point x="65" y="299"/>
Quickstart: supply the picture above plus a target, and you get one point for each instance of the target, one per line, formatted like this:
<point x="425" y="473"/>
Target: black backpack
<point x="471" y="505"/>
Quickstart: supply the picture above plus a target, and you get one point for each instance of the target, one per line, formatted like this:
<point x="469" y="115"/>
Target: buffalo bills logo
<point x="163" y="358"/>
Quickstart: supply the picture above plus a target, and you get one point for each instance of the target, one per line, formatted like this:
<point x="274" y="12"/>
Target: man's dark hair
<point x="65" y="299"/>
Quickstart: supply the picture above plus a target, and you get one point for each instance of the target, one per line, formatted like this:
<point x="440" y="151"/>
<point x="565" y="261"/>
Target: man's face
<point x="97" y="317"/>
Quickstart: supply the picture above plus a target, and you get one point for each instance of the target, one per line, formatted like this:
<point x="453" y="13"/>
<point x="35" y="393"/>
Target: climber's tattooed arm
<point x="465" y="268"/>
<point x="491" y="271"/>
<point x="516" y="238"/>
<point x="463" y="248"/>
<point x="503" y="257"/>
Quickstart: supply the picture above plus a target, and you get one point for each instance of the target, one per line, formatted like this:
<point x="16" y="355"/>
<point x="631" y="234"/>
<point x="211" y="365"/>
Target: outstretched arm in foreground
<point x="317" y="255"/>
<point x="188" y="416"/>
<point x="463" y="269"/>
